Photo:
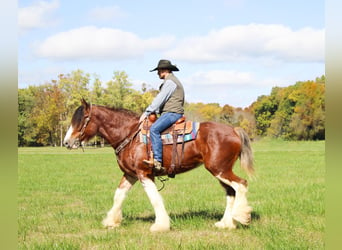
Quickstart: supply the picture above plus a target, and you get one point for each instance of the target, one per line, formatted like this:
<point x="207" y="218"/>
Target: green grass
<point x="64" y="195"/>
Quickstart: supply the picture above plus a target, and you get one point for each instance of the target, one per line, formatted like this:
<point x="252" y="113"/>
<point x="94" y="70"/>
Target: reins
<point x="162" y="180"/>
<point x="125" y="142"/>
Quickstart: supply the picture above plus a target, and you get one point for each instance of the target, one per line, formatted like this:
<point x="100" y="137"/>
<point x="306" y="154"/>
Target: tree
<point x="296" y="112"/>
<point x="227" y="114"/>
<point x="308" y="119"/>
<point x="26" y="102"/>
<point x="210" y="112"/>
<point x="75" y="86"/>
<point x="203" y="112"/>
<point x="47" y="114"/>
<point x="264" y="109"/>
<point x="97" y="92"/>
<point x="117" y="90"/>
<point x="279" y="125"/>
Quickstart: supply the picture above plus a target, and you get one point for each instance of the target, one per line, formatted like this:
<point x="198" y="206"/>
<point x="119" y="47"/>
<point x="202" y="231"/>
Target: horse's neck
<point x="116" y="126"/>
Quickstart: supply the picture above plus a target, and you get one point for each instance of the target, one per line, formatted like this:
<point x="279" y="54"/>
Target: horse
<point x="217" y="147"/>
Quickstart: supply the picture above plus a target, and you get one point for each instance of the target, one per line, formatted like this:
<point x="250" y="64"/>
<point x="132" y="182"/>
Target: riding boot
<point x="157" y="165"/>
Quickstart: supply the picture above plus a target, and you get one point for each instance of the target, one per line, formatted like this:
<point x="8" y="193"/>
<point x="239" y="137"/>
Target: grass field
<point x="64" y="195"/>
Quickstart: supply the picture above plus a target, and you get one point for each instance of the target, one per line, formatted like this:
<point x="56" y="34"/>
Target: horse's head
<point x="80" y="129"/>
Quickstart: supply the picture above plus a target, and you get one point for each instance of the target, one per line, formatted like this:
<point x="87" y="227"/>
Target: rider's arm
<point x="166" y="91"/>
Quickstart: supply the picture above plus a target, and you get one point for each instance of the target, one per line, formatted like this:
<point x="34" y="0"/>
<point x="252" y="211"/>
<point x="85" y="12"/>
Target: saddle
<point x="181" y="126"/>
<point x="180" y="132"/>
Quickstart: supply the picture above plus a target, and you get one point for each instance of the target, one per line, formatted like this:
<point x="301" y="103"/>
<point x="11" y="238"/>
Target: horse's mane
<point x="79" y="113"/>
<point x="77" y="116"/>
<point x="120" y="110"/>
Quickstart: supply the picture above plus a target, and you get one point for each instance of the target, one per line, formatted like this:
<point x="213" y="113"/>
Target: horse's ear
<point x="85" y="104"/>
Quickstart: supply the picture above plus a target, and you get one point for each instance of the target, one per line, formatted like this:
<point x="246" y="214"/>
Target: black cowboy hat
<point x="165" y="64"/>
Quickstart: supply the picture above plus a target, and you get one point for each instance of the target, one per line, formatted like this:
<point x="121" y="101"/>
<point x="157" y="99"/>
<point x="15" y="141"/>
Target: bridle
<point x="86" y="122"/>
<point x="119" y="148"/>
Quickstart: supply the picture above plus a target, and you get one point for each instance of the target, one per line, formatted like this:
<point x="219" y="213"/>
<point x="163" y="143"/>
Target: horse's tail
<point x="246" y="154"/>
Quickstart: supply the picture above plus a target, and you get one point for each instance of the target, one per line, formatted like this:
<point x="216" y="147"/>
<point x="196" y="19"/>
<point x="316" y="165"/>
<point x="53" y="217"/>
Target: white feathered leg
<point x="227" y="220"/>
<point x="237" y="210"/>
<point x="114" y="215"/>
<point x="241" y="210"/>
<point x="162" y="221"/>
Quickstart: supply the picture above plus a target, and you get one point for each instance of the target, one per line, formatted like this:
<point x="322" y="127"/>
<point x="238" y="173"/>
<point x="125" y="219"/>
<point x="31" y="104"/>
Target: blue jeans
<point x="162" y="123"/>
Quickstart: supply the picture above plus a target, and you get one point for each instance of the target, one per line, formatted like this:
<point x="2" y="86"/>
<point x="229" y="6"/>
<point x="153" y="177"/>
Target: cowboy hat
<point x="165" y="64"/>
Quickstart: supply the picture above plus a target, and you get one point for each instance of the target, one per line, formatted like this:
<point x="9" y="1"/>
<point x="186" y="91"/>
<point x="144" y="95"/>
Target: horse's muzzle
<point x="70" y="144"/>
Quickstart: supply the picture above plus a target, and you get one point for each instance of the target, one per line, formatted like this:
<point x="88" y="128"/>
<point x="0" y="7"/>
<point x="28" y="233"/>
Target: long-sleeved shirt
<point x="165" y="92"/>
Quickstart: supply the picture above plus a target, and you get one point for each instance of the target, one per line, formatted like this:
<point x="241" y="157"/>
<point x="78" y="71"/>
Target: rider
<point x="169" y="103"/>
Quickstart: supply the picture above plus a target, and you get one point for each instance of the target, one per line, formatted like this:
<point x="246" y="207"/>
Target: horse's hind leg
<point x="237" y="208"/>
<point x="227" y="219"/>
<point x="114" y="215"/>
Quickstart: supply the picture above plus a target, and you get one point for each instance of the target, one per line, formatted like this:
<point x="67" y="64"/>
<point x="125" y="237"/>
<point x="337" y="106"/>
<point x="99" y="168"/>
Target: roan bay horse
<point x="217" y="146"/>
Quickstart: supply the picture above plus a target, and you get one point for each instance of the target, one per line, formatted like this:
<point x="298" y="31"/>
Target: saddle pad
<point x="179" y="128"/>
<point x="167" y="137"/>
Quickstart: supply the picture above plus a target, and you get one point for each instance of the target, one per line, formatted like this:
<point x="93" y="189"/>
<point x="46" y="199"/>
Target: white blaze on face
<point x="68" y="134"/>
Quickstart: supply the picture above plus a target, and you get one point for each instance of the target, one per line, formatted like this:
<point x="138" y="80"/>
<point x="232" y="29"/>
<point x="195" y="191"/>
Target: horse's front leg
<point x="162" y="221"/>
<point x="114" y="215"/>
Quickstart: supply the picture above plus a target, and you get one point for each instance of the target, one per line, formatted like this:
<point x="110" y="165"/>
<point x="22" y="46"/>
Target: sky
<point x="228" y="51"/>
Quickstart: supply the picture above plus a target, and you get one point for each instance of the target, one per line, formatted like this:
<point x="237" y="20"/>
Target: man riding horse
<point x="170" y="104"/>
<point x="217" y="146"/>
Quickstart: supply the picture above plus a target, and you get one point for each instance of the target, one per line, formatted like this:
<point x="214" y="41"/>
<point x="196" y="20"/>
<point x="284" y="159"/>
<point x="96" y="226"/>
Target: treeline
<point x="296" y="112"/>
<point x="44" y="112"/>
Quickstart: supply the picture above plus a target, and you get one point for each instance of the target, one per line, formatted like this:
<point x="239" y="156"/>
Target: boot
<point x="157" y="165"/>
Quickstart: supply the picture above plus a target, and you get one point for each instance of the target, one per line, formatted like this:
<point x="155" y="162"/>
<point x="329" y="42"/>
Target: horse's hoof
<point x="222" y="225"/>
<point x="110" y="224"/>
<point x="159" y="228"/>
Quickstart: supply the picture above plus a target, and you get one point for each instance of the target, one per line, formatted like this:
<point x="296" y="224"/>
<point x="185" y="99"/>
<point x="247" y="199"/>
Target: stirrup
<point x="155" y="164"/>
<point x="158" y="166"/>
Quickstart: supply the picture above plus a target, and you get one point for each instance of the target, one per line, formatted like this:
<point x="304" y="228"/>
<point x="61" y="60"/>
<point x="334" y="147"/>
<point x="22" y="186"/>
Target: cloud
<point x="94" y="43"/>
<point x="241" y="43"/>
<point x="37" y="15"/>
<point x="245" y="42"/>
